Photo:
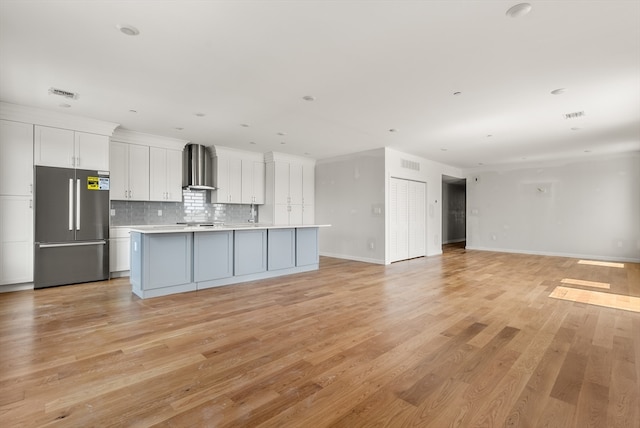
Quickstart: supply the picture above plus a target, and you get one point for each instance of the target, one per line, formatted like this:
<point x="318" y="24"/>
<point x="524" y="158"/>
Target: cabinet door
<point x="119" y="254"/>
<point x="281" y="214"/>
<point x="295" y="214"/>
<point x="258" y="182"/>
<point x="54" y="147"/>
<point x="167" y="259"/>
<point x="398" y="219"/>
<point x="174" y="175"/>
<point x="119" y="176"/>
<point x="138" y="172"/>
<point x="247" y="181"/>
<point x="250" y="251"/>
<point x="16" y="239"/>
<point x="157" y="174"/>
<point x="417" y="219"/>
<point x="307" y="246"/>
<point x="281" y="183"/>
<point x="235" y="180"/>
<point x="281" y="248"/>
<point x="295" y="183"/>
<point x="91" y="151"/>
<point x="212" y="255"/>
<point x="220" y="180"/>
<point x="308" y="185"/>
<point x="16" y="158"/>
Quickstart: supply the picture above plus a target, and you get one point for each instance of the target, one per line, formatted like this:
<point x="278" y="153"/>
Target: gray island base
<point x="176" y="259"/>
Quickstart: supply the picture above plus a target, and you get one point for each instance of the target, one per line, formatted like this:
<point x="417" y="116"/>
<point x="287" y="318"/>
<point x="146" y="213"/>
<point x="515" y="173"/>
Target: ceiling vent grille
<point x="63" y="93"/>
<point x="574" y="115"/>
<point x="410" y="164"/>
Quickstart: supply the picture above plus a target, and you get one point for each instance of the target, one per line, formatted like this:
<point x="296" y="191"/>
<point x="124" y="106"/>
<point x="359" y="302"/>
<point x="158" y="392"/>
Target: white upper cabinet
<point x="238" y="176"/>
<point x="16" y="158"/>
<point x="91" y="151"/>
<point x="252" y="181"/>
<point x="165" y="174"/>
<point x="70" y="149"/>
<point x="129" y="172"/>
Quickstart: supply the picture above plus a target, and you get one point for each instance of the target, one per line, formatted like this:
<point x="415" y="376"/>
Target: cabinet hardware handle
<point x="31" y="188"/>
<point x="71" y="204"/>
<point x="78" y="204"/>
<point x="78" y="161"/>
<point x="30" y="203"/>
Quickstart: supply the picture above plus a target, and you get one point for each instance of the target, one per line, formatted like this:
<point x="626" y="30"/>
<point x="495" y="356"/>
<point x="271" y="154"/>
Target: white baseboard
<point x="16" y="287"/>
<point x="555" y="254"/>
<point x="354" y="258"/>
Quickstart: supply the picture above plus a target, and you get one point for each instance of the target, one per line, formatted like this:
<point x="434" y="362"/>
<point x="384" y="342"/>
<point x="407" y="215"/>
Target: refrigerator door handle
<point x="71" y="204"/>
<point x="72" y="244"/>
<point x="78" y="204"/>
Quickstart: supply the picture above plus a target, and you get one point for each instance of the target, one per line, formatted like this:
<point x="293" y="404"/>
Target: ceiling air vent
<point x="574" y="115"/>
<point x="63" y="93"/>
<point x="410" y="164"/>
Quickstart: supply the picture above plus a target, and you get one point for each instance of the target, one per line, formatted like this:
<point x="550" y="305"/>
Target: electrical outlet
<point x="113" y="212"/>
<point x="159" y="213"/>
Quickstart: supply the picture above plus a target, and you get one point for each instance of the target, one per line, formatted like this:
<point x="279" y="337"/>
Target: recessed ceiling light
<point x="252" y="142"/>
<point x="587" y="151"/>
<point x="480" y="163"/>
<point x="558" y="91"/>
<point x="282" y="142"/>
<point x="133" y="111"/>
<point x="282" y="133"/>
<point x="393" y="130"/>
<point x="309" y="98"/>
<point x="307" y="153"/>
<point x="444" y="150"/>
<point x="519" y="10"/>
<point x="489" y="135"/>
<point x="457" y="93"/>
<point x="64" y="105"/>
<point x="244" y="125"/>
<point x="575" y="129"/>
<point x="127" y="29"/>
<point x="200" y="114"/>
<point x="178" y="128"/>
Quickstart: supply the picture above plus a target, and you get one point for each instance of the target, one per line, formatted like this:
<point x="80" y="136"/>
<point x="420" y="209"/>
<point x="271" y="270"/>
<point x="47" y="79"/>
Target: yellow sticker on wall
<point x="93" y="183"/>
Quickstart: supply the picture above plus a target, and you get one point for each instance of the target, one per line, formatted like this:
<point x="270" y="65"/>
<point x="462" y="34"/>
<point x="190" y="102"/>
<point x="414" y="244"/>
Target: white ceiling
<point x="371" y="65"/>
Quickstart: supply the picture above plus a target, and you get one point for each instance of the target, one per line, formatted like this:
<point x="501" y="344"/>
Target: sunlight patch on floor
<point x="597" y="263"/>
<point x="609" y="300"/>
<point x="593" y="284"/>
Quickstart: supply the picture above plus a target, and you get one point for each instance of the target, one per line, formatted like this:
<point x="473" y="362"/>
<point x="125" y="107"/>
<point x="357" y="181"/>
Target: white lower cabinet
<point x="16" y="239"/>
<point x="119" y="252"/>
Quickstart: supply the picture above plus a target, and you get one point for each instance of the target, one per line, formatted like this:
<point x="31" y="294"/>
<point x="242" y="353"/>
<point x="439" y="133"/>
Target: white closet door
<point x="399" y="219"/>
<point x="417" y="219"/>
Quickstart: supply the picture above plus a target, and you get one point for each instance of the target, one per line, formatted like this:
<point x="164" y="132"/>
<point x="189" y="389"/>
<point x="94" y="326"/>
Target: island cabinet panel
<point x="212" y="255"/>
<point x="161" y="263"/>
<point x="250" y="251"/>
<point x="307" y="246"/>
<point x="281" y="252"/>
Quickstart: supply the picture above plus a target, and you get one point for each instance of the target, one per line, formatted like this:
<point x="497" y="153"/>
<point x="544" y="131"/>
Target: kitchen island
<point x="177" y="258"/>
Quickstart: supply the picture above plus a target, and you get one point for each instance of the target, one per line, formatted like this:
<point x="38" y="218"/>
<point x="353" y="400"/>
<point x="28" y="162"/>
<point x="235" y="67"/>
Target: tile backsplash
<point x="193" y="208"/>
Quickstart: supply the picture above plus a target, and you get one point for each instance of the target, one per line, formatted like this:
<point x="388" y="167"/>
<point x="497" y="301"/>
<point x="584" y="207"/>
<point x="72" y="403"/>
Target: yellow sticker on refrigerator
<point x="93" y="183"/>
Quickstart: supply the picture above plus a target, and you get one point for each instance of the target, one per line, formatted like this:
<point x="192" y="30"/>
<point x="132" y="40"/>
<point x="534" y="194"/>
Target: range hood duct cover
<point x="197" y="168"/>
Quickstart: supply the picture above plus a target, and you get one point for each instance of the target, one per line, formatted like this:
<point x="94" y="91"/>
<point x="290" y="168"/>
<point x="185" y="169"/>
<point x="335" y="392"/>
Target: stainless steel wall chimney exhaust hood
<point x="197" y="171"/>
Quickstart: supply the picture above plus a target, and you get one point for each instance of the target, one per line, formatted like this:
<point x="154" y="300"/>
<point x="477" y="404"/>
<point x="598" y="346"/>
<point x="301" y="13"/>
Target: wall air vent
<point x="574" y="115"/>
<point x="63" y="93"/>
<point x="410" y="164"/>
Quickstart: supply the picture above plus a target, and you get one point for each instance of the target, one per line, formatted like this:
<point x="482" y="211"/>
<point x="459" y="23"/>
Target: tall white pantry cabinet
<point x="16" y="202"/>
<point x="289" y="190"/>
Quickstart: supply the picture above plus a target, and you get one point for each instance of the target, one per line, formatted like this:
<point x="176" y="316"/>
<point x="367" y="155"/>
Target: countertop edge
<point x="199" y="229"/>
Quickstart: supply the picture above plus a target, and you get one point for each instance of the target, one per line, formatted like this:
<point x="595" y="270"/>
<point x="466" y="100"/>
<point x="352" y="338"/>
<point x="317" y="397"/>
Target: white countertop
<point x="178" y="228"/>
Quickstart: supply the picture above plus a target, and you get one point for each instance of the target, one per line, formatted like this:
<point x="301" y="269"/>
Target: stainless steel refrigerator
<point x="71" y="226"/>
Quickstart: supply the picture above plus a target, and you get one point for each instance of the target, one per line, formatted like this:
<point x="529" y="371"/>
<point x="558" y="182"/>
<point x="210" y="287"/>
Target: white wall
<point x="431" y="173"/>
<point x="350" y="195"/>
<point x="586" y="209"/>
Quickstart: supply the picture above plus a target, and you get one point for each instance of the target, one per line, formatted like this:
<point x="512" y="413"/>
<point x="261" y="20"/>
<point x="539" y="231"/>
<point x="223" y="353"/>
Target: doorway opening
<point x="454" y="213"/>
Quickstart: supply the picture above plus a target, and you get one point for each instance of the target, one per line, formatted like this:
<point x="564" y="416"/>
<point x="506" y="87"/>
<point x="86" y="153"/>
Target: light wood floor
<point x="464" y="339"/>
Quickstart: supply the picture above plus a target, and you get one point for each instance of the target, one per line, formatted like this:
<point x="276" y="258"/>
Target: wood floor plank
<point x="468" y="338"/>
